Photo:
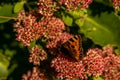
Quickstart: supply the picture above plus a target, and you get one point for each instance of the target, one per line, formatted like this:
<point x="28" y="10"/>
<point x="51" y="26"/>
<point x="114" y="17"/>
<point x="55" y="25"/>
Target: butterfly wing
<point x="74" y="47"/>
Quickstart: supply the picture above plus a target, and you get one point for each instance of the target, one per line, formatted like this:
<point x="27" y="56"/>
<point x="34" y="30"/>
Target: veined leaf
<point x="102" y="30"/>
<point x="6" y="13"/>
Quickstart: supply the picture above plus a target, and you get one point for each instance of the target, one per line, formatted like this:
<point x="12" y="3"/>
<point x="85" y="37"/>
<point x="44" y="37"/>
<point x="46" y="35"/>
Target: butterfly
<point x="73" y="47"/>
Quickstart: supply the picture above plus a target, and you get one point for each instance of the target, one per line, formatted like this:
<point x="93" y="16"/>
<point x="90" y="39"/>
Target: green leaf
<point x="102" y="30"/>
<point x="6" y="13"/>
<point x="3" y="66"/>
<point x="98" y="78"/>
<point x="76" y="79"/>
<point x="3" y="70"/>
<point x="19" y="6"/>
<point x="117" y="51"/>
<point x="67" y="20"/>
<point x="80" y="21"/>
<point x="33" y="43"/>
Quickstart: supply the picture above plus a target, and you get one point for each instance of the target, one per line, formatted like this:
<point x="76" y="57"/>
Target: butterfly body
<point x="74" y="47"/>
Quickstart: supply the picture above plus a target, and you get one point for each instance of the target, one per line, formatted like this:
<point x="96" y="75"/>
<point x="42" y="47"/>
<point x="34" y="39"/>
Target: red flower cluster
<point x="36" y="74"/>
<point x="36" y="55"/>
<point x="47" y="7"/>
<point x="116" y="3"/>
<point x="96" y="63"/>
<point x="26" y="28"/>
<point x="74" y="4"/>
<point x="67" y="68"/>
<point x="53" y="28"/>
<point x="112" y="65"/>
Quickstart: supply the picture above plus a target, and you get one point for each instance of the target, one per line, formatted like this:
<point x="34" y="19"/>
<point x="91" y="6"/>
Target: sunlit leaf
<point x="19" y="6"/>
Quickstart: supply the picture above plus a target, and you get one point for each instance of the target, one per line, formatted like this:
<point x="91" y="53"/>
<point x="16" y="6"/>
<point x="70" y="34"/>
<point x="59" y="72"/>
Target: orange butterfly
<point x="74" y="47"/>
